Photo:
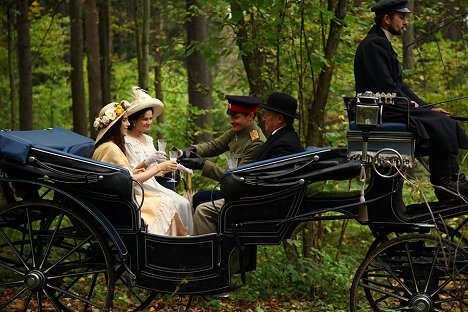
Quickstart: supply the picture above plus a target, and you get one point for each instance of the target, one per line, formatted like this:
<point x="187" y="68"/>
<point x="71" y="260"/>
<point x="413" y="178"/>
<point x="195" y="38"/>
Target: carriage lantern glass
<point x="368" y="111"/>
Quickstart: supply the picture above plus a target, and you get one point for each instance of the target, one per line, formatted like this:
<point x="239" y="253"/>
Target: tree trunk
<point x="93" y="65"/>
<point x="76" y="58"/>
<point x="105" y="45"/>
<point x="136" y="33"/>
<point x="316" y="111"/>
<point x="408" y="41"/>
<point x="143" y="79"/>
<point x="199" y="75"/>
<point x="24" y="66"/>
<point x="158" y="62"/>
<point x="11" y="75"/>
<point x="253" y="59"/>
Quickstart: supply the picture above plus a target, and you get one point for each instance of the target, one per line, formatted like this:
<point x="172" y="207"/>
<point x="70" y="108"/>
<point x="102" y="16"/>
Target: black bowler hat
<point x="388" y="6"/>
<point x="282" y="103"/>
<point x="242" y="104"/>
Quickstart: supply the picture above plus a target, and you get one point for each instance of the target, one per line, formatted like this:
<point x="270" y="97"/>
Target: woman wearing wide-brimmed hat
<point x="158" y="212"/>
<point x="141" y="152"/>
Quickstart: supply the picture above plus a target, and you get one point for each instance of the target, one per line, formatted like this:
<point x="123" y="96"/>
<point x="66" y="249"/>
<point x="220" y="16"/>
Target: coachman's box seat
<point x="384" y="135"/>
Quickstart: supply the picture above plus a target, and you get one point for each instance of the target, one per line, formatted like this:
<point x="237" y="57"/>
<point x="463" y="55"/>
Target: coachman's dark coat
<point x="377" y="69"/>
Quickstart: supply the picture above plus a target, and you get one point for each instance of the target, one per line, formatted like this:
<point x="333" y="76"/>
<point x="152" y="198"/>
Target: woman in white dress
<point x="142" y="154"/>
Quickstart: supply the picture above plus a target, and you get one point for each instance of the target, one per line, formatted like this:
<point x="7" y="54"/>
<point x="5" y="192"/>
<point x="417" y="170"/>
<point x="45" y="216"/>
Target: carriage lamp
<point x="368" y="116"/>
<point x="368" y="112"/>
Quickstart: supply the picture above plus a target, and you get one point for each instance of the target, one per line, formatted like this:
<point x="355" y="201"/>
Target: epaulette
<point x="254" y="135"/>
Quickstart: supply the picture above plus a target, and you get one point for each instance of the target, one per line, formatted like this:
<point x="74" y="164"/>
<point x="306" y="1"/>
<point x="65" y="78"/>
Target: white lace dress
<point x="136" y="153"/>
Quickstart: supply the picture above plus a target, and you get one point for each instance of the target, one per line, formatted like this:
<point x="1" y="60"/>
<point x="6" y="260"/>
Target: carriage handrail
<point x="335" y="208"/>
<point x="84" y="177"/>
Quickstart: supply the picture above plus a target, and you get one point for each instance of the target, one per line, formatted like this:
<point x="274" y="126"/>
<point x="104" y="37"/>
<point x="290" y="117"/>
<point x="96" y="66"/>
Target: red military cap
<point x="242" y="104"/>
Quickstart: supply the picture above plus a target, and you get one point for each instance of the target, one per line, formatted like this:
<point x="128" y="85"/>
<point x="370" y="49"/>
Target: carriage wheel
<point x="414" y="272"/>
<point x="52" y="258"/>
<point x="132" y="298"/>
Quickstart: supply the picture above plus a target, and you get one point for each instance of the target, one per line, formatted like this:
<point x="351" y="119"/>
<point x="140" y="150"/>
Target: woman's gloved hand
<point x="158" y="156"/>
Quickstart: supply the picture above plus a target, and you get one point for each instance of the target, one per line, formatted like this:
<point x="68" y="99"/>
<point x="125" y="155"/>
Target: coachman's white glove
<point x="158" y="156"/>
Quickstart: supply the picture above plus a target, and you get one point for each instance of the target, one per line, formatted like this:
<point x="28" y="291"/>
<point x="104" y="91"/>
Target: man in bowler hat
<point x="377" y="69"/>
<point x="278" y="117"/>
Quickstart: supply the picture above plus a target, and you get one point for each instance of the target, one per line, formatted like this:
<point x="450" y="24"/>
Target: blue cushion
<point x="386" y="126"/>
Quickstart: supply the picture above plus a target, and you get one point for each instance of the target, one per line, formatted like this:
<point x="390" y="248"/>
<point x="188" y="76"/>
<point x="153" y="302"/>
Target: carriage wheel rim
<point x="44" y="260"/>
<point x="395" y="279"/>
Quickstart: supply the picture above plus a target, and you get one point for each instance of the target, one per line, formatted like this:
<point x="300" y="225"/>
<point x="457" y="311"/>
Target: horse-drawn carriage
<point x="70" y="227"/>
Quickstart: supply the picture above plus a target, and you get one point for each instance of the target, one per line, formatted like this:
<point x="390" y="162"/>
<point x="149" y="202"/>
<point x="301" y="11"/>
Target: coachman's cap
<point x="242" y="104"/>
<point x="389" y="6"/>
<point x="282" y="103"/>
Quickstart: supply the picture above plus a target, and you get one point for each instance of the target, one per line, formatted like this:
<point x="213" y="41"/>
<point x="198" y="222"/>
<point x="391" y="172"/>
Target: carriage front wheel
<point x="52" y="258"/>
<point x="414" y="272"/>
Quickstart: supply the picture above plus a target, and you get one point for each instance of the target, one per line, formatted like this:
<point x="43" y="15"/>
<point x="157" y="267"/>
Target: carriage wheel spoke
<point x="8" y="241"/>
<point x="410" y="262"/>
<point x="33" y="254"/>
<point x="39" y="301"/>
<point x="10" y="268"/>
<point x="49" y="247"/>
<point x="26" y="303"/>
<point x="382" y="291"/>
<point x="68" y="253"/>
<point x="394" y="275"/>
<point x="6" y="303"/>
<point x="56" y="303"/>
<point x="75" y="296"/>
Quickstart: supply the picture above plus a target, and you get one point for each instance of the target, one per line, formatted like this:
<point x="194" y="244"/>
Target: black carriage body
<point x="264" y="201"/>
<point x="104" y="194"/>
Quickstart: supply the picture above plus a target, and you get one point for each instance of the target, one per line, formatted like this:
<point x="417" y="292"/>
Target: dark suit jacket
<point x="377" y="69"/>
<point x="284" y="142"/>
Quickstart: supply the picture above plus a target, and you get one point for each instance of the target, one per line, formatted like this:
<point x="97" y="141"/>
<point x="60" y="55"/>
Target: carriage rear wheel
<point x="132" y="298"/>
<point x="414" y="272"/>
<point x="52" y="258"/>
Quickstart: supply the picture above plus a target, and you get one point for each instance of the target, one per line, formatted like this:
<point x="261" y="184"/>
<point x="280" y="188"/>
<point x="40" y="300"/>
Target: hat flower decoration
<point x="111" y="114"/>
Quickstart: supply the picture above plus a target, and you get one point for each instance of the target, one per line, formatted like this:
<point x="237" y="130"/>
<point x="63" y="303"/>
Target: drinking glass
<point x="161" y="145"/>
<point x="232" y="162"/>
<point x="173" y="156"/>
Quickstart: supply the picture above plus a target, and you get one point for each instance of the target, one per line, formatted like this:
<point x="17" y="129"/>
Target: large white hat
<point x="108" y="116"/>
<point x="143" y="100"/>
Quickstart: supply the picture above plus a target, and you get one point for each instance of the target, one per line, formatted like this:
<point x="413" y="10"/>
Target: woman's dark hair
<point x="134" y="117"/>
<point x="114" y="134"/>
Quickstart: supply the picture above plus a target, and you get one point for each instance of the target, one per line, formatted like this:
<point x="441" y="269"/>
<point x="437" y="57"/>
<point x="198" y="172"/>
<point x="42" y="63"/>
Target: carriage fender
<point x="90" y="210"/>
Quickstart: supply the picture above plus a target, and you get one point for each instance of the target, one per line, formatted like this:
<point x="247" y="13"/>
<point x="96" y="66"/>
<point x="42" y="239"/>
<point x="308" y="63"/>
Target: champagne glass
<point x="161" y="145"/>
<point x="232" y="162"/>
<point x="173" y="156"/>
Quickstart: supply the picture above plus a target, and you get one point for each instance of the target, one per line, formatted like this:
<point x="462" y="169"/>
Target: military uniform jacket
<point x="285" y="141"/>
<point x="377" y="69"/>
<point x="243" y="145"/>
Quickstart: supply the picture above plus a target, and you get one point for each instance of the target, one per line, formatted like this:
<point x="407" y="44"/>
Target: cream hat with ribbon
<point x="143" y="100"/>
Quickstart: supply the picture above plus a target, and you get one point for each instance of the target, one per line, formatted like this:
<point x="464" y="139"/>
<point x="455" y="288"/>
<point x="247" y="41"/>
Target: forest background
<point x="61" y="61"/>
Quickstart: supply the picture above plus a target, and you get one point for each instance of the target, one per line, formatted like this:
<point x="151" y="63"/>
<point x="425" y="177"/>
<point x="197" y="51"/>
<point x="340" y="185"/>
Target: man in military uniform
<point x="377" y="69"/>
<point x="280" y="112"/>
<point x="242" y="142"/>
